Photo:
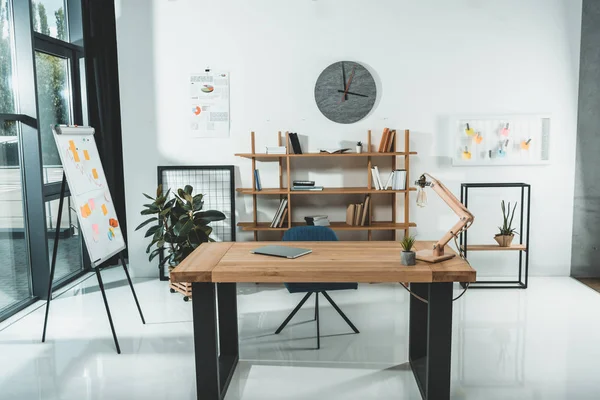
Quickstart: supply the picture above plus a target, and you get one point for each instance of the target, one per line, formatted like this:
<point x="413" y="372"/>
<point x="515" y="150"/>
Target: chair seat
<point x="319" y="287"/>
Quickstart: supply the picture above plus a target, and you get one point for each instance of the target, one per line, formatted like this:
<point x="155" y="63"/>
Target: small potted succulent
<point x="358" y="147"/>
<point x="408" y="256"/>
<point x="507" y="232"/>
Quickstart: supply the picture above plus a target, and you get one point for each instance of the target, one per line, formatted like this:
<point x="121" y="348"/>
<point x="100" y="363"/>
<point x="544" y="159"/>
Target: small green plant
<point x="407" y="243"/>
<point x="506" y="229"/>
<point x="179" y="226"/>
<point x="359" y="143"/>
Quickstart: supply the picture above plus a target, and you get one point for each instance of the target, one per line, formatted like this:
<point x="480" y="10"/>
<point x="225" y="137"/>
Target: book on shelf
<point x="350" y="214"/>
<point x="389" y="181"/>
<point x="358" y="214"/>
<point x="283" y="216"/>
<point x="276" y="150"/>
<point x="399" y="180"/>
<point x="295" y="143"/>
<point x="377" y="178"/>
<point x="365" y="220"/>
<point x="277" y="218"/>
<point x="317" y="220"/>
<point x="391" y="138"/>
<point x="383" y="142"/>
<point x="307" y="188"/>
<point x="338" y="150"/>
<point x="257" y="183"/>
<point x="303" y="183"/>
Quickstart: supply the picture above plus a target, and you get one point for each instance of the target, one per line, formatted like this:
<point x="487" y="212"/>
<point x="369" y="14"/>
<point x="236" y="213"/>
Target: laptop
<point x="281" y="251"/>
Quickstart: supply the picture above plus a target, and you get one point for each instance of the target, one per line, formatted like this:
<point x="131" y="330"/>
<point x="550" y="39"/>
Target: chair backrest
<point x="309" y="234"/>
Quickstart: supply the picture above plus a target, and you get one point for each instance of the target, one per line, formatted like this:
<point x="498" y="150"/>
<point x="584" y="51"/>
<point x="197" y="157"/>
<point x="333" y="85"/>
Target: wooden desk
<point x="215" y="268"/>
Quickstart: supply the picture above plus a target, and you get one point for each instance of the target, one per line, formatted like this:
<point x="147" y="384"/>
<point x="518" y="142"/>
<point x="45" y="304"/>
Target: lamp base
<point x="428" y="256"/>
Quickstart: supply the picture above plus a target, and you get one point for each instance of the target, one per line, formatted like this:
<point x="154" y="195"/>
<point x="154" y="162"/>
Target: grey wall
<point x="585" y="260"/>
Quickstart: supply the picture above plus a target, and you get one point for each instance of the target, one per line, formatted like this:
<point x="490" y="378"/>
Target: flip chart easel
<point x="98" y="222"/>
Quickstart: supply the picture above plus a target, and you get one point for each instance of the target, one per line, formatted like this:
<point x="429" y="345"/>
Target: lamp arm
<point x="465" y="221"/>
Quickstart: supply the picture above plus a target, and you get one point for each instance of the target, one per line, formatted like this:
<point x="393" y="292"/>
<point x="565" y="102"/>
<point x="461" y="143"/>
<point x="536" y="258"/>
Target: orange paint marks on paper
<point x="104" y="209"/>
<point x="74" y="151"/>
<point x="86" y="155"/>
<point x="113" y="222"/>
<point x="95" y="173"/>
<point x="85" y="210"/>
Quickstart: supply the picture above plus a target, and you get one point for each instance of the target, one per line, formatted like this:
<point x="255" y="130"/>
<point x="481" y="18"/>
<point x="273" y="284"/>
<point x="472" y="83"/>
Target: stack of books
<point x="317" y="220"/>
<point x="306" y="185"/>
<point x="358" y="214"/>
<point x="295" y="143"/>
<point x="276" y="150"/>
<point x="387" y="141"/>
<point x="396" y="179"/>
<point x="280" y="215"/>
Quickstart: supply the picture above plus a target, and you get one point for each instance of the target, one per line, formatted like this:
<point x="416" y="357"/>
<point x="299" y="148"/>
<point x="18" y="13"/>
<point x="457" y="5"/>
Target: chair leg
<point x="298" y="307"/>
<point x="340" y="312"/>
<point x="317" y="318"/>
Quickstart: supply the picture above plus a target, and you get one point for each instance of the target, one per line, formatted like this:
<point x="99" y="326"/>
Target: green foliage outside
<point x="52" y="82"/>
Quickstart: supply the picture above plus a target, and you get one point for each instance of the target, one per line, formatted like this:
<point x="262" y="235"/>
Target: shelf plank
<point x="274" y="157"/>
<point x="336" y="226"/>
<point x="345" y="190"/>
<point x="495" y="247"/>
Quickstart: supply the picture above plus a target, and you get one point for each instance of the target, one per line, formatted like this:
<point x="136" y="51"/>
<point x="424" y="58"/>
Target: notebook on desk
<point x="281" y="251"/>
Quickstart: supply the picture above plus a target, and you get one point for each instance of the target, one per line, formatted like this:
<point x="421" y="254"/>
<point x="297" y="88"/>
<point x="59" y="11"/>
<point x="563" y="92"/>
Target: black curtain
<point x="100" y="40"/>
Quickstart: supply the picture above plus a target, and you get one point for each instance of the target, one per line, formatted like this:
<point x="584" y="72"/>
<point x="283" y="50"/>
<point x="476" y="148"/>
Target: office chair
<point x="313" y="234"/>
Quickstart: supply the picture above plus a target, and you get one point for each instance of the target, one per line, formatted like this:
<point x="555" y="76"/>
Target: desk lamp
<point x="466" y="218"/>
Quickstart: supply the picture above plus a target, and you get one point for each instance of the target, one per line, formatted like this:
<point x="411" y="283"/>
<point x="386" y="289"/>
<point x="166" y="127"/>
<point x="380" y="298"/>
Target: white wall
<point x="431" y="59"/>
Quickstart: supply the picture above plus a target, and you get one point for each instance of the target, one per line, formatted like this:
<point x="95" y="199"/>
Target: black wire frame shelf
<point x="216" y="183"/>
<point x="523" y="248"/>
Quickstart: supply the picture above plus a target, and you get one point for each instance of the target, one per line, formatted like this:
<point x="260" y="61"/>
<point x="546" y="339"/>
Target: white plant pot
<point x="358" y="149"/>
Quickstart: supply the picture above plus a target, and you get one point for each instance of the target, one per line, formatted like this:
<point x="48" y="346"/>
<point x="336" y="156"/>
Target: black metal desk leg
<point x="228" y="333"/>
<point x="430" y="341"/>
<point x="204" y="309"/>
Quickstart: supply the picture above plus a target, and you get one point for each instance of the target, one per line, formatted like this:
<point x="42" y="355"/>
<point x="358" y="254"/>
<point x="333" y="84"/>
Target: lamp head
<point x="421" y="195"/>
<point x="422" y="182"/>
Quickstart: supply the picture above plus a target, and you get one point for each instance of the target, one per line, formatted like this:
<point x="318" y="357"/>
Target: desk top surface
<point x="329" y="262"/>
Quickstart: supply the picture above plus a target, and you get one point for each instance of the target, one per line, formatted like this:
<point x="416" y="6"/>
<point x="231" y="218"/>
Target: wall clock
<point x="345" y="92"/>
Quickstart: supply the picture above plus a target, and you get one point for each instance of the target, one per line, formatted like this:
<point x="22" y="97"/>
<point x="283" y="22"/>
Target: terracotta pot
<point x="408" y="258"/>
<point x="504" y="240"/>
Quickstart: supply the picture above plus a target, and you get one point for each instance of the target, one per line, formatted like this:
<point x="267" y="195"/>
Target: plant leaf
<point x="148" y="196"/>
<point x="154" y="254"/>
<point x="188" y="189"/>
<point x="159" y="191"/>
<point x="152" y="230"/>
<point x="210" y="215"/>
<point x="149" y="212"/>
<point x="146" y="222"/>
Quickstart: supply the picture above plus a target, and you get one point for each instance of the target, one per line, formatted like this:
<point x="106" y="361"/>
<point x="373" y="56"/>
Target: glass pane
<point x="7" y="97"/>
<point x="49" y="18"/>
<point x="15" y="282"/>
<point x="69" y="259"/>
<point x="54" y="103"/>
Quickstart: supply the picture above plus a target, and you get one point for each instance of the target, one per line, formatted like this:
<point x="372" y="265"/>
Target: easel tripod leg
<point x="132" y="289"/>
<point x="54" y="252"/>
<point x="112" y="327"/>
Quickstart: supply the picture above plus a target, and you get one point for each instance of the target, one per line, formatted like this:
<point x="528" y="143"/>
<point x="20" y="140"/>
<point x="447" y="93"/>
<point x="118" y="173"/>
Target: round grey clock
<point x="345" y="92"/>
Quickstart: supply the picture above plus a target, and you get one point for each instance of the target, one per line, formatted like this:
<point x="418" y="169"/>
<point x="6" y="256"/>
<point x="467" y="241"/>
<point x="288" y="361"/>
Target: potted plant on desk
<point x="408" y="256"/>
<point x="507" y="232"/>
<point x="179" y="226"/>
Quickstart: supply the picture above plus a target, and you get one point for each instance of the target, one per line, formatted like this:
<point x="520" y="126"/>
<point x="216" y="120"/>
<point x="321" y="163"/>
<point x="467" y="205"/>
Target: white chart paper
<point x="209" y="108"/>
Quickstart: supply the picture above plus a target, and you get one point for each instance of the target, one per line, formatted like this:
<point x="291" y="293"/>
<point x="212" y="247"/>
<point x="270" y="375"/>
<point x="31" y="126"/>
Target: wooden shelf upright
<point x="285" y="190"/>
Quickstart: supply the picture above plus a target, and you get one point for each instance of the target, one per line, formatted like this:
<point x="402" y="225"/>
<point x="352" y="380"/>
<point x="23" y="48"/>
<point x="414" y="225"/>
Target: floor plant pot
<point x="504" y="240"/>
<point x="408" y="258"/>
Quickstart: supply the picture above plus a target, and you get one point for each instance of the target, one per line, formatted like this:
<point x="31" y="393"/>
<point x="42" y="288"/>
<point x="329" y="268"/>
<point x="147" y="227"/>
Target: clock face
<point x="345" y="92"/>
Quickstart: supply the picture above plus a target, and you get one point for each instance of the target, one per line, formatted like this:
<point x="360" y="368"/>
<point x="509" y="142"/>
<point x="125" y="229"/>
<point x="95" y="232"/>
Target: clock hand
<point x="344" y="80"/>
<point x="349" y="83"/>
<point x="352" y="93"/>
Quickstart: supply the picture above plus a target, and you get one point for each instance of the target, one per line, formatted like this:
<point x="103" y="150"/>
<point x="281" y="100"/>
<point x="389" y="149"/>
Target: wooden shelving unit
<point x="284" y="190"/>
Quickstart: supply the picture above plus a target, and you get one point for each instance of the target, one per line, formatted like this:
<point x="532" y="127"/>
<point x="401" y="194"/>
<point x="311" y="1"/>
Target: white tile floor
<point x="541" y="343"/>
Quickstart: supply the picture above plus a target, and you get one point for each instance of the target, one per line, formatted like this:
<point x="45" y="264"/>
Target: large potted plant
<point x="507" y="232"/>
<point x="179" y="224"/>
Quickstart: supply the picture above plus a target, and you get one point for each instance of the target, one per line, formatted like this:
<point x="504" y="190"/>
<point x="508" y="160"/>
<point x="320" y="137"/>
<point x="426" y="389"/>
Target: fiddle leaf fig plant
<point x="178" y="225"/>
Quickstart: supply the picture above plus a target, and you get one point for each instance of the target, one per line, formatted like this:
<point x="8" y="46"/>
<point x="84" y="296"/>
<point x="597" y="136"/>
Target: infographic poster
<point x="209" y="105"/>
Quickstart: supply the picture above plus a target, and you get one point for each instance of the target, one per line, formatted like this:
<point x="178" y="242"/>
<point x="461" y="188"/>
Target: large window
<point x="49" y="18"/>
<point x="15" y="282"/>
